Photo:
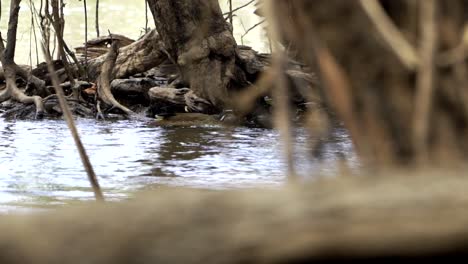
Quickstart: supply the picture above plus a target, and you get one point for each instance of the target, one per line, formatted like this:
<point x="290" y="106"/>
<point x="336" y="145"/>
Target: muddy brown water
<point x="40" y="167"/>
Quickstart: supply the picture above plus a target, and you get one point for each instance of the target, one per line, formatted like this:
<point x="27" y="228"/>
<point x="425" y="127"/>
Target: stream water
<point x="39" y="166"/>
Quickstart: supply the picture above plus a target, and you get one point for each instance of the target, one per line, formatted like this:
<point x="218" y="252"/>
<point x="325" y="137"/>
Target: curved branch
<point x="390" y="33"/>
<point x="104" y="88"/>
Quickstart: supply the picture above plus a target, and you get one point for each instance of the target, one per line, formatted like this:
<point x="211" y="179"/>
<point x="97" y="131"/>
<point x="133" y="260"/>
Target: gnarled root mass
<point x="10" y="69"/>
<point x="146" y="79"/>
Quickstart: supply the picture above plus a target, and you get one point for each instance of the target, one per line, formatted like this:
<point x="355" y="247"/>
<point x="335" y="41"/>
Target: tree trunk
<point x="200" y="42"/>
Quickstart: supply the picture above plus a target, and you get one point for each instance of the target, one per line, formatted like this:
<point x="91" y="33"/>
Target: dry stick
<point x="71" y="125"/>
<point x="86" y="38"/>
<point x="281" y="95"/>
<point x="31" y="4"/>
<point x="239" y="8"/>
<point x="57" y="23"/>
<point x="146" y="17"/>
<point x="252" y="28"/>
<point x="58" y="29"/>
<point x="425" y="81"/>
<point x="396" y="41"/>
<point x="97" y="18"/>
<point x="231" y="15"/>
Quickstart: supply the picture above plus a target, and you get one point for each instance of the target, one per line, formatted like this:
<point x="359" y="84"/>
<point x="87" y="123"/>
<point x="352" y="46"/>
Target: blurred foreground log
<point x="408" y="217"/>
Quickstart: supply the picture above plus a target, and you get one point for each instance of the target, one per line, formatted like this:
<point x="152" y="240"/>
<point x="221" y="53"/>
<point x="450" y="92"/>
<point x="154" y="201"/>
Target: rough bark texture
<point x="135" y="58"/>
<point x="200" y="42"/>
<point x="181" y="98"/>
<point x="405" y="218"/>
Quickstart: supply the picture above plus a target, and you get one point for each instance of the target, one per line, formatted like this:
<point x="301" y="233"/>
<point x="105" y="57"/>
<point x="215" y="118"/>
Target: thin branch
<point x="231" y="20"/>
<point x="86" y="37"/>
<point x="238" y="8"/>
<point x="390" y="33"/>
<point x="426" y="76"/>
<point x="146" y="17"/>
<point x="71" y="125"/>
<point x="252" y="28"/>
<point x="97" y="18"/>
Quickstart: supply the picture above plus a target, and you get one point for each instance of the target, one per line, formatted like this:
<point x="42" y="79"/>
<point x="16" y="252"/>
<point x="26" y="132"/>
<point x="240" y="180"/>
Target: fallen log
<point x="344" y="219"/>
<point x="135" y="58"/>
<point x="136" y="86"/>
<point x="179" y="99"/>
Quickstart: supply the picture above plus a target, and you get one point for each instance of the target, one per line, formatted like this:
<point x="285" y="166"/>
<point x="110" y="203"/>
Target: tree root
<point x="137" y="57"/>
<point x="104" y="87"/>
<point x="10" y="68"/>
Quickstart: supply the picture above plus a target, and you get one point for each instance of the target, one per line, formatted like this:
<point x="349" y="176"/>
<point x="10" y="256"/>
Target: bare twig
<point x="146" y="17"/>
<point x="238" y="8"/>
<point x="86" y="37"/>
<point x="58" y="22"/>
<point x="97" y="18"/>
<point x="231" y="15"/>
<point x="396" y="41"/>
<point x="252" y="28"/>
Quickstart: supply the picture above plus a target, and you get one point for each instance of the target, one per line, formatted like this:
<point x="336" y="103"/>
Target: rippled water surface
<point x="39" y="165"/>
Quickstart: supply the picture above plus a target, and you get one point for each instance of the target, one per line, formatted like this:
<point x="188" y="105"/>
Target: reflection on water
<point x="40" y="166"/>
<point x="126" y="17"/>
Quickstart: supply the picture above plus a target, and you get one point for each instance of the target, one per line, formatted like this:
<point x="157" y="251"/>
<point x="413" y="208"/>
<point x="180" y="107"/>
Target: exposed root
<point x="10" y="68"/>
<point x="104" y="88"/>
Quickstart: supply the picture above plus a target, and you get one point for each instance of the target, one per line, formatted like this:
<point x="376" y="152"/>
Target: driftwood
<point x="408" y="218"/>
<point x="135" y="58"/>
<point x="101" y="45"/>
<point x="136" y="86"/>
<point x="180" y="98"/>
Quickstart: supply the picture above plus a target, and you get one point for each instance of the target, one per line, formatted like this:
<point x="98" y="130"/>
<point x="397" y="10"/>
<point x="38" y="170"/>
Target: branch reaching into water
<point x="70" y="122"/>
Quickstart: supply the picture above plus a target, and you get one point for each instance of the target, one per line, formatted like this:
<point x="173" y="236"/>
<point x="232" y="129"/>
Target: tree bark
<point x="200" y="42"/>
<point x="135" y="58"/>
